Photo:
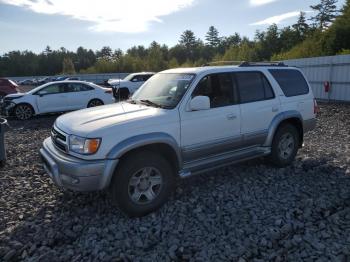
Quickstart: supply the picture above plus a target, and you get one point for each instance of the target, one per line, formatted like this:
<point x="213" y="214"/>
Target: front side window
<point x="52" y="89"/>
<point x="253" y="86"/>
<point x="291" y="82"/>
<point x="163" y="90"/>
<point x="219" y="89"/>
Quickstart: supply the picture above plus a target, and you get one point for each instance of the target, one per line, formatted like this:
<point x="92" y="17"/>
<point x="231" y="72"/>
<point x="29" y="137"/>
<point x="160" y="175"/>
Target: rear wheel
<point x="285" y="145"/>
<point x="23" y="112"/>
<point x="95" y="102"/>
<point x="142" y="183"/>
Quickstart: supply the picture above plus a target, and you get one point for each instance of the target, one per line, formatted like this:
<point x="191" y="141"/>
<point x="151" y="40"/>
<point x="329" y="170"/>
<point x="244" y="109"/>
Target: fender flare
<point x="143" y="140"/>
<point x="276" y="121"/>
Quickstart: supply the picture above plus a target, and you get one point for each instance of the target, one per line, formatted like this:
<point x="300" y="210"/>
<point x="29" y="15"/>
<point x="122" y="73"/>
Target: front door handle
<point x="231" y="116"/>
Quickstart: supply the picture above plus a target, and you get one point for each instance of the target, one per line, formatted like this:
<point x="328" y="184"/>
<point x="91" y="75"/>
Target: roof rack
<point x="216" y="63"/>
<point x="272" y="63"/>
<point x="245" y="63"/>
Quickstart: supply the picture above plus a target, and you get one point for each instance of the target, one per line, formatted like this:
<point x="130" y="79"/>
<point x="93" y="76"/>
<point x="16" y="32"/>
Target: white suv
<point x="123" y="88"/>
<point x="181" y="122"/>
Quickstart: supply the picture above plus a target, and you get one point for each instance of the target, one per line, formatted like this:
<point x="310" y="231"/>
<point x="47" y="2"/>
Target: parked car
<point x="7" y="87"/>
<point x="60" y="78"/>
<point x="27" y="82"/>
<point x="181" y="122"/>
<point x="56" y="97"/>
<point x="123" y="88"/>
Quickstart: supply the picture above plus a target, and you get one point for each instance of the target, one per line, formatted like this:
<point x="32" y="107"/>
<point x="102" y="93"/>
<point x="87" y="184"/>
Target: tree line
<point x="325" y="33"/>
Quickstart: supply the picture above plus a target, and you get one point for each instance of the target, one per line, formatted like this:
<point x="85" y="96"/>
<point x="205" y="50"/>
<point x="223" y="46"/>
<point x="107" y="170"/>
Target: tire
<point x="122" y="94"/>
<point x="2" y="95"/>
<point x="23" y="112"/>
<point x="285" y="145"/>
<point x="131" y="187"/>
<point x="95" y="102"/>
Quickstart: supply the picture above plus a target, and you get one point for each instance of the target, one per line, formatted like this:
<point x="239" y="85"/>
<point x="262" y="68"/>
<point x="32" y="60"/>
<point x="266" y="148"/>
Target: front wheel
<point x="142" y="183"/>
<point x="95" y="102"/>
<point x="285" y="145"/>
<point x="23" y="112"/>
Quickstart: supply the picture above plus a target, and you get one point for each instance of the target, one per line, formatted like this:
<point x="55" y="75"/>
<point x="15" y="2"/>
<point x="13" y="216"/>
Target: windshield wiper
<point x="150" y="103"/>
<point x="131" y="101"/>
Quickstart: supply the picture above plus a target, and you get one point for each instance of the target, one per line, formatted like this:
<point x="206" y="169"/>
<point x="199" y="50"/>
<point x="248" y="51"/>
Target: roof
<point x="216" y="69"/>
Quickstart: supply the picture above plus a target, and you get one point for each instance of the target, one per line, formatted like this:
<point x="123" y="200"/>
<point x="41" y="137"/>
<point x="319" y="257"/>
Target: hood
<point x="14" y="96"/>
<point x="115" y="82"/>
<point x="88" y="122"/>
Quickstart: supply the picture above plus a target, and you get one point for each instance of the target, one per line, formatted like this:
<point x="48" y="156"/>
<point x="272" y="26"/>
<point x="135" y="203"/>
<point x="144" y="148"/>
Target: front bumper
<point x="74" y="173"/>
<point x="6" y="107"/>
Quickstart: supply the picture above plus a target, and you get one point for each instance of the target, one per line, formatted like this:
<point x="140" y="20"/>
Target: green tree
<point x="338" y="36"/>
<point x="326" y="13"/>
<point x="301" y="26"/>
<point x="212" y="37"/>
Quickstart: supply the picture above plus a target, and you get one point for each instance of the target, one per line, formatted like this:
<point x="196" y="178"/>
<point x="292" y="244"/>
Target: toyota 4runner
<point x="181" y="122"/>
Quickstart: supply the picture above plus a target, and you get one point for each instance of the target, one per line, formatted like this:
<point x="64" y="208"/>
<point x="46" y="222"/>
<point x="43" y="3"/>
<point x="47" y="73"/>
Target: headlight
<point x="81" y="145"/>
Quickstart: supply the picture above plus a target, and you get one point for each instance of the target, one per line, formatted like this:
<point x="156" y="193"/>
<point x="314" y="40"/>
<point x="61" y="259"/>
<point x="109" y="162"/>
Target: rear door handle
<point x="231" y="116"/>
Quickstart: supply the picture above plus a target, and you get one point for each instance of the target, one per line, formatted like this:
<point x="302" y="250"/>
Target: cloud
<point x="130" y="16"/>
<point x="261" y="2"/>
<point x="278" y="18"/>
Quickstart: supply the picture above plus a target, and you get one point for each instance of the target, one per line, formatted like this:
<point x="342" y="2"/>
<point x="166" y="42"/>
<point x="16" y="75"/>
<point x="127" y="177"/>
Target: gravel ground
<point x="247" y="212"/>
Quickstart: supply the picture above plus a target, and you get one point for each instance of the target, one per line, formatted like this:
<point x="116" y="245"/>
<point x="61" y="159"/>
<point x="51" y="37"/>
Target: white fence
<point x="95" y="78"/>
<point x="332" y="69"/>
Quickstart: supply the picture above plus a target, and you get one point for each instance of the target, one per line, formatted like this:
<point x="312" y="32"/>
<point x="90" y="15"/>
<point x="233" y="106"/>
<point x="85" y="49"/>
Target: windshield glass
<point x="163" y="90"/>
<point x="128" y="77"/>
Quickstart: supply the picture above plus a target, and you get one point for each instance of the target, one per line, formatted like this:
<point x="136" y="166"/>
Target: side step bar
<point x="218" y="161"/>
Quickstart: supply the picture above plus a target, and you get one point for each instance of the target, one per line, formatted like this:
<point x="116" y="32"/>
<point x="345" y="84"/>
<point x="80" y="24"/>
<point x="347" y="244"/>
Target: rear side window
<point x="291" y="82"/>
<point x="253" y="86"/>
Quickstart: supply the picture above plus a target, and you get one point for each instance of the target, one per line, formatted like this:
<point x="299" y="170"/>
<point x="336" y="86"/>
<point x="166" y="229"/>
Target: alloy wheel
<point x="286" y="146"/>
<point x="23" y="112"/>
<point x="145" y="185"/>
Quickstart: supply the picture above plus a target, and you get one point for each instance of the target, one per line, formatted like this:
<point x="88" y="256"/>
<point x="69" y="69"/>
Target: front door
<point x="210" y="132"/>
<point x="52" y="98"/>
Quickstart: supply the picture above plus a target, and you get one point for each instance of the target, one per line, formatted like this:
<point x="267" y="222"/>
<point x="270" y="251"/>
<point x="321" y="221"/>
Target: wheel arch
<point x="160" y="143"/>
<point x="34" y="109"/>
<point x="291" y="117"/>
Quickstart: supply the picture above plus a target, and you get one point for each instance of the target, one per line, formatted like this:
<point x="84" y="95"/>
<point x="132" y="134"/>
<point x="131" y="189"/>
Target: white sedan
<point x="57" y="97"/>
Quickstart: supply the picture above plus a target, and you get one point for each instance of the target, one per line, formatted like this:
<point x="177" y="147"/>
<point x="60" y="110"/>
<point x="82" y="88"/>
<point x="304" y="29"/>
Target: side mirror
<point x="199" y="103"/>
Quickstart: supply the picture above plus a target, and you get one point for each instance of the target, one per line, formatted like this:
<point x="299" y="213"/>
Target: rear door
<point x="259" y="105"/>
<point x="297" y="93"/>
<point x="78" y="95"/>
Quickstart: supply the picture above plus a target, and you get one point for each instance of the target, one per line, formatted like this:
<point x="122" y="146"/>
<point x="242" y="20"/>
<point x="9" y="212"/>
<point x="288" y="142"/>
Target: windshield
<point x="128" y="77"/>
<point x="163" y="90"/>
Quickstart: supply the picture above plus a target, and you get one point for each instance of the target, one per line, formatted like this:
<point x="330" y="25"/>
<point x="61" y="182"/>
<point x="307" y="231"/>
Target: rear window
<point x="253" y="86"/>
<point x="292" y="82"/>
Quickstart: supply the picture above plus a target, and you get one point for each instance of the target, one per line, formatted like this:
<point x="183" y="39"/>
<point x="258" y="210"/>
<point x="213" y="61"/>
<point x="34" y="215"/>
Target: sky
<point x="34" y="24"/>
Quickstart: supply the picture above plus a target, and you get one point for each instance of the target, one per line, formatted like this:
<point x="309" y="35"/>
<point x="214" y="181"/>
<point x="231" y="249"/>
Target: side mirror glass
<point x="199" y="103"/>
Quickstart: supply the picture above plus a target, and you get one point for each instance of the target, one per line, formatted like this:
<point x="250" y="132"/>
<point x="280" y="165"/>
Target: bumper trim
<point x="74" y="173"/>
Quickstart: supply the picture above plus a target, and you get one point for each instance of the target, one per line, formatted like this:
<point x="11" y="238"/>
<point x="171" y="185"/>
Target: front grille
<point x="59" y="139"/>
